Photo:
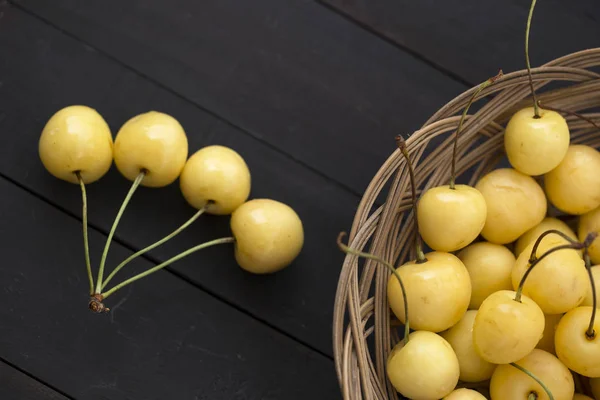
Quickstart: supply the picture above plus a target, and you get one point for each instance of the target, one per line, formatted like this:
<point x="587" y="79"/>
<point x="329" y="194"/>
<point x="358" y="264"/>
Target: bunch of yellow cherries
<point x="151" y="150"/>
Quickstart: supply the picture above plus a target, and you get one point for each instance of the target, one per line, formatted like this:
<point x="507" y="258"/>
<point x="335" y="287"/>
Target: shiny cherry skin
<point x="76" y="139"/>
<point x="535" y="146"/>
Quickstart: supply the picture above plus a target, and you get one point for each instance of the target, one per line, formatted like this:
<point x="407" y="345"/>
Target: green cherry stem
<point x="167" y="263"/>
<point x="86" y="246"/>
<point x="482" y="86"/>
<point x="591" y="332"/>
<point x="154" y="245"/>
<point x="535" y="103"/>
<point x="401" y="143"/>
<point x="535" y="378"/>
<point x="389" y="266"/>
<point x="573" y="246"/>
<point x="532" y="396"/>
<point x="533" y="255"/>
<point x="134" y="186"/>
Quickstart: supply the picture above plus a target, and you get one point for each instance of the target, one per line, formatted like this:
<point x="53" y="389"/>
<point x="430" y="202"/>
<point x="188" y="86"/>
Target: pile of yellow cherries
<point x="151" y="150"/>
<point x="504" y="305"/>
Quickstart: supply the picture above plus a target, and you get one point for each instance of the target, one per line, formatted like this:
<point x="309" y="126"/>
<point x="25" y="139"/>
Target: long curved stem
<point x="154" y="245"/>
<point x="86" y="246"/>
<point x="535" y="378"/>
<point x="533" y="255"/>
<point x="535" y="103"/>
<point x="574" y="246"/>
<point x="135" y="185"/>
<point x="591" y="333"/>
<point x="167" y="263"/>
<point x="390" y="267"/>
<point x="573" y="113"/>
<point x="482" y="86"/>
<point x="401" y="143"/>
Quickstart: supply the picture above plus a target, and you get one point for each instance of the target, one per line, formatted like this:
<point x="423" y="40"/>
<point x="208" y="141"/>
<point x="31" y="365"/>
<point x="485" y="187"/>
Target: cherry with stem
<point x="389" y="266"/>
<point x="571" y="246"/>
<point x="482" y="86"/>
<point x="401" y="143"/>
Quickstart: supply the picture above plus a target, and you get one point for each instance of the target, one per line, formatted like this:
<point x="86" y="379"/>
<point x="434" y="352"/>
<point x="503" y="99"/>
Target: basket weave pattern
<point x="361" y="312"/>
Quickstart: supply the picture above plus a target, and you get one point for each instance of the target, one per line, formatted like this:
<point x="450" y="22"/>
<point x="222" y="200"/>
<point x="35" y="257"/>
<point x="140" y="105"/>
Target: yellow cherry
<point x="510" y="383"/>
<point x="547" y="224"/>
<point x="152" y="142"/>
<point x="506" y="330"/>
<point x="438" y="292"/>
<point x="575" y="349"/>
<point x="464" y="394"/>
<point x="450" y="219"/>
<point x="472" y="367"/>
<point x="546" y="343"/>
<point x="489" y="266"/>
<point x="268" y="235"/>
<point x="559" y="282"/>
<point x="76" y="139"/>
<point x="218" y="175"/>
<point x="535" y="146"/>
<point x="588" y="301"/>
<point x="579" y="396"/>
<point x="574" y="185"/>
<point x="590" y="222"/>
<point x="515" y="204"/>
<point x="595" y="385"/>
<point x="424" y="368"/>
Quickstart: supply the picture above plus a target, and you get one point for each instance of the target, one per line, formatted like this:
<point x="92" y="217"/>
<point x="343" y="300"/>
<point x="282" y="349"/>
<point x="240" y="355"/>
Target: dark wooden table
<point x="311" y="93"/>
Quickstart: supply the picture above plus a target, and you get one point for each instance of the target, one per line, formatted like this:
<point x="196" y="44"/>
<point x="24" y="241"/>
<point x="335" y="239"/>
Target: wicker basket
<point x="364" y="330"/>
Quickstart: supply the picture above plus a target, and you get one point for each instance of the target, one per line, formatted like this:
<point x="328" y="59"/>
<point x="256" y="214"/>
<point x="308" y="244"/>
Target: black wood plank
<point x="164" y="339"/>
<point x="473" y="38"/>
<point x="43" y="70"/>
<point x="16" y="385"/>
<point x="292" y="73"/>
